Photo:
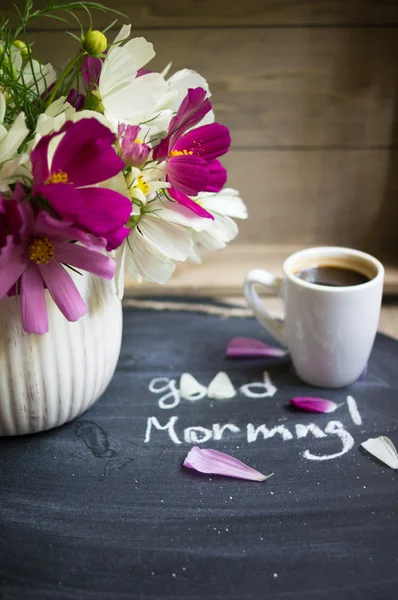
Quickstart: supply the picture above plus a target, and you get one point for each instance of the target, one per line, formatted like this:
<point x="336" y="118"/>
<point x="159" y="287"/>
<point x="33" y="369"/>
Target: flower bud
<point x="95" y="43"/>
<point x="22" y="47"/>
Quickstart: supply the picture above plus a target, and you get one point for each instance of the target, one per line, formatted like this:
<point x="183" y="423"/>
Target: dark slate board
<point x="91" y="512"/>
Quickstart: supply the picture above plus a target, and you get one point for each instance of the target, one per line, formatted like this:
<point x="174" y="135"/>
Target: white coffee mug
<point x="329" y="331"/>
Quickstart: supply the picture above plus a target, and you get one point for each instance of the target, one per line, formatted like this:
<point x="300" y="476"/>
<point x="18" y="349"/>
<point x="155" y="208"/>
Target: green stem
<point x="68" y="69"/>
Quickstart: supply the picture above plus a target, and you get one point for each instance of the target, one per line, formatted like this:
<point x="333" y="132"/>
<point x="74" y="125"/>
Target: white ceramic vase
<point x="48" y="380"/>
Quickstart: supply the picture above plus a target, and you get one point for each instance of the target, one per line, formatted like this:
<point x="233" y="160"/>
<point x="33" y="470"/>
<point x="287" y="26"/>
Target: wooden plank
<point x="389" y="319"/>
<point x="222" y="273"/>
<point x="341" y="198"/>
<point x="211" y="13"/>
<point x="305" y="88"/>
<point x="236" y="307"/>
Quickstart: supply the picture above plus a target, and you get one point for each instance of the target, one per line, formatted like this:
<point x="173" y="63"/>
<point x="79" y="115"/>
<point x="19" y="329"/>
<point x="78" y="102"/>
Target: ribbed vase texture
<point x="47" y="380"/>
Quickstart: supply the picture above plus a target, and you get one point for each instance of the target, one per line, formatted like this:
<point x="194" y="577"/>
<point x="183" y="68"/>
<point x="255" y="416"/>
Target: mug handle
<point x="274" y="326"/>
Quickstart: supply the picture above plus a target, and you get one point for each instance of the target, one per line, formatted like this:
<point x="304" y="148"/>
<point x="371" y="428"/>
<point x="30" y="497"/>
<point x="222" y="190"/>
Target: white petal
<point x="191" y="389"/>
<point x="141" y="51"/>
<point x="221" y="387"/>
<point x="219" y="232"/>
<point x="118" y="71"/>
<point x="182" y="81"/>
<point x="134" y="100"/>
<point x="227" y="202"/>
<point x="14" y="138"/>
<point x="122" y="36"/>
<point x="119" y="273"/>
<point x="171" y="240"/>
<point x="2" y="107"/>
<point x="383" y="449"/>
<point x="195" y="255"/>
<point x="176" y="213"/>
<point x="145" y="262"/>
<point x="16" y="58"/>
<point x="38" y="76"/>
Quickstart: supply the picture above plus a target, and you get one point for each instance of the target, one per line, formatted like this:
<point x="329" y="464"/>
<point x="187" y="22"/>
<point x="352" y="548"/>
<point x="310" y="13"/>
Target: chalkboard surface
<point x="102" y="508"/>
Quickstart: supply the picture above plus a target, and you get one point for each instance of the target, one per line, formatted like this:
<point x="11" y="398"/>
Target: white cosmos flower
<point x="144" y="184"/>
<point x="37" y="77"/>
<point x="224" y="206"/>
<point x="160" y="238"/>
<point x="125" y="97"/>
<point x="11" y="163"/>
<point x="54" y="118"/>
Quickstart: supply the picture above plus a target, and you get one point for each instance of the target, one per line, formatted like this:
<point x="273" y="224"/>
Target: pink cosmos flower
<point x="74" y="98"/>
<point x="133" y="150"/>
<point x="191" y="156"/>
<point x="36" y="263"/>
<point x="91" y="70"/>
<point x="68" y="182"/>
<point x="10" y="220"/>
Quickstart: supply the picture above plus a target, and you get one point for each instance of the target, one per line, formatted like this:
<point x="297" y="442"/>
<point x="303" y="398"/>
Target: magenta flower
<point x="37" y="263"/>
<point x="91" y="70"/>
<point x="83" y="158"/>
<point x="10" y="220"/>
<point x="133" y="150"/>
<point x="75" y="99"/>
<point x="191" y="156"/>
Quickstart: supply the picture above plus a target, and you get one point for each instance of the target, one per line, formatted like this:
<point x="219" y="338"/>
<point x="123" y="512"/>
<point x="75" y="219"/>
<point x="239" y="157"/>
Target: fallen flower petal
<point x="310" y="404"/>
<point x="221" y="387"/>
<point x="213" y="462"/>
<point x="383" y="449"/>
<point x="241" y="347"/>
<point x="191" y="389"/>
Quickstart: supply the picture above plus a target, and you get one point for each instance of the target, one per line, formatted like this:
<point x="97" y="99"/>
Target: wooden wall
<point x="309" y="89"/>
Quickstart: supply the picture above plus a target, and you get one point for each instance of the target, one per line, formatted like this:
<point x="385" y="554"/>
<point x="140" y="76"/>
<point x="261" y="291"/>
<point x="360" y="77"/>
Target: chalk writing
<point x="337" y="428"/>
<point x="170" y="398"/>
<point x="265" y="388"/>
<point x="353" y="409"/>
<point x="253" y="432"/>
<point x="170" y="387"/>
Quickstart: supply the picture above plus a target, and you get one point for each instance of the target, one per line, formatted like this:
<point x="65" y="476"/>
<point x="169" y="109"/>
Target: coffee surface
<point x="332" y="276"/>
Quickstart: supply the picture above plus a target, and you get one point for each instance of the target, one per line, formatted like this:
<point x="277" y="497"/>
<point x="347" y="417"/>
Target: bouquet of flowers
<point x="104" y="164"/>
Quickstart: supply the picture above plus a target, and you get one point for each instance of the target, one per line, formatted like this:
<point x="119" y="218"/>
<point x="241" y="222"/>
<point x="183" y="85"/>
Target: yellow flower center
<point x="180" y="152"/>
<point x="41" y="250"/>
<point x="138" y="141"/>
<point x="142" y="185"/>
<point x="59" y="177"/>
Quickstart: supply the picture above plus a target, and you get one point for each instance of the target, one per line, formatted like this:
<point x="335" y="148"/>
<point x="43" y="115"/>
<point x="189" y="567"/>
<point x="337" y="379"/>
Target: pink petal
<point x="91" y="70"/>
<point x="64" y="231"/>
<point x="116" y="237"/>
<point x="192" y="109"/>
<point x="217" y="176"/>
<point x="213" y="462"/>
<point x="310" y="404"/>
<point x="63" y="290"/>
<point x="12" y="265"/>
<point x="184" y="200"/>
<point x="187" y="173"/>
<point x="241" y="347"/>
<point x="107" y="210"/>
<point x="63" y="198"/>
<point x="33" y="302"/>
<point x="39" y="159"/>
<point x="88" y="260"/>
<point x="85" y="153"/>
<point x="208" y="141"/>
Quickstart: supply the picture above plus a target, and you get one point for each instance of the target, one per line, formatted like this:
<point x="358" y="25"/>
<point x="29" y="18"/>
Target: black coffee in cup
<point x="332" y="276"/>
